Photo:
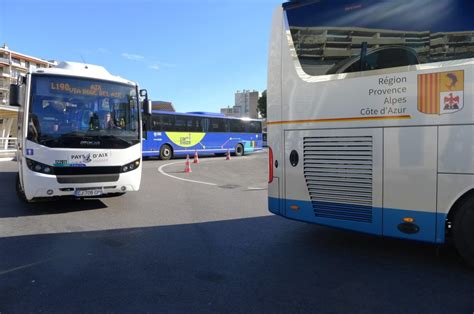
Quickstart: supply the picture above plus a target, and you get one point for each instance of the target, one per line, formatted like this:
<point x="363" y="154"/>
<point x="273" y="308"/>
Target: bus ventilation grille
<point x="338" y="173"/>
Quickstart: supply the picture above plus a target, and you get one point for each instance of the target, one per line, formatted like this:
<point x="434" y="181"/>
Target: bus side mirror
<point x="17" y="93"/>
<point x="146" y="105"/>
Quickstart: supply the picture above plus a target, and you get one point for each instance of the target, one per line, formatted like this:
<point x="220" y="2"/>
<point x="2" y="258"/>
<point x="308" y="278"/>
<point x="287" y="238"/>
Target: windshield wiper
<point x="73" y="134"/>
<point x="113" y="138"/>
<point x="47" y="139"/>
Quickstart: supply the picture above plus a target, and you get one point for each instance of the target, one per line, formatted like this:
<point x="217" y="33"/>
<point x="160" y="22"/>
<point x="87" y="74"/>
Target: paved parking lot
<point x="209" y="245"/>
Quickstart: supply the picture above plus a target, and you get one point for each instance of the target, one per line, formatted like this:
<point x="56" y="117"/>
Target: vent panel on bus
<point x="338" y="173"/>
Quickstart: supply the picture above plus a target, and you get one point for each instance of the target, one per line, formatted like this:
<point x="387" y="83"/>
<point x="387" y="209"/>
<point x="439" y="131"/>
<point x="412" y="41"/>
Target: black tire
<point x="166" y="152"/>
<point x="116" y="194"/>
<point x="19" y="190"/>
<point x="239" y="150"/>
<point x="463" y="231"/>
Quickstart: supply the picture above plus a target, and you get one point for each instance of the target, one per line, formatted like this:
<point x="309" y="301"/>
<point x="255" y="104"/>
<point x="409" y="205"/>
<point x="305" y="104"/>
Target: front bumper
<point x="39" y="185"/>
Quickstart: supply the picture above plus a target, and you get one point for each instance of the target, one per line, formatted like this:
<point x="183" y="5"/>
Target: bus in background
<point x="371" y="117"/>
<point x="170" y="134"/>
<point x="79" y="132"/>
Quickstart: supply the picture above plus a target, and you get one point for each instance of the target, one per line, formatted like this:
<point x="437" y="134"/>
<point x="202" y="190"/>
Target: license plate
<point x="88" y="192"/>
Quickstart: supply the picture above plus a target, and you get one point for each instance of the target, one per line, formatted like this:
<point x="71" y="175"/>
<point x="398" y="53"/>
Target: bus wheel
<point x="463" y="231"/>
<point x="166" y="153"/>
<point x="239" y="150"/>
<point x="19" y="190"/>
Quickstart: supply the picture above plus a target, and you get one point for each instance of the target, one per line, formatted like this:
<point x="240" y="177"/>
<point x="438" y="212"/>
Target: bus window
<point x="254" y="127"/>
<point x="218" y="125"/>
<point x="156" y="123"/>
<point x="329" y="36"/>
<point x="180" y="124"/>
<point x="382" y="58"/>
<point x="167" y="122"/>
<point x="205" y="125"/>
<point x="196" y="124"/>
<point x="189" y="124"/>
<point x="237" y="126"/>
<point x="162" y="122"/>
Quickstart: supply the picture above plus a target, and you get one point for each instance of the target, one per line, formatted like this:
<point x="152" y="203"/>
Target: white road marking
<point x="256" y="188"/>
<point x="6" y="271"/>
<point x="160" y="169"/>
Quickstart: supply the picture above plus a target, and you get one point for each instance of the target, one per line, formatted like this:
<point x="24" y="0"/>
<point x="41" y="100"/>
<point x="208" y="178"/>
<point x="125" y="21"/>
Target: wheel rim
<point x="166" y="152"/>
<point x="239" y="149"/>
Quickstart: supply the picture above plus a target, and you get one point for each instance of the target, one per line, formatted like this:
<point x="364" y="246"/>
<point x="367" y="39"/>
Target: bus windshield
<point x="82" y="113"/>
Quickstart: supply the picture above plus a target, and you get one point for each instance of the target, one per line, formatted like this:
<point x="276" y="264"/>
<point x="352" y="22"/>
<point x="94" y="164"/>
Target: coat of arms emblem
<point x="441" y="93"/>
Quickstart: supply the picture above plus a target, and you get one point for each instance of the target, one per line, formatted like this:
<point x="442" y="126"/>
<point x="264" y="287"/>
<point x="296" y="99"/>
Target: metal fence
<point x="7" y="144"/>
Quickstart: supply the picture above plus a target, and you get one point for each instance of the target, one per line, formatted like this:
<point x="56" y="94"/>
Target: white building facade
<point x="12" y="64"/>
<point x="246" y="103"/>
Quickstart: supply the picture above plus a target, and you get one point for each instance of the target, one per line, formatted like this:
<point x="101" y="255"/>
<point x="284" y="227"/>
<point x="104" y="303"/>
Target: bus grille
<point x="338" y="174"/>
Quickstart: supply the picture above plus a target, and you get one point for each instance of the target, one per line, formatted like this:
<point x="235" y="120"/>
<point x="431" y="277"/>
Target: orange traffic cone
<point x="227" y="157"/>
<point x="187" y="168"/>
<point x="196" y="157"/>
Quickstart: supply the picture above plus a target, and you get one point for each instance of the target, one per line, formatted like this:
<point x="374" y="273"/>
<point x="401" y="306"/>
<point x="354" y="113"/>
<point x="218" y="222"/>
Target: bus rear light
<point x="270" y="165"/>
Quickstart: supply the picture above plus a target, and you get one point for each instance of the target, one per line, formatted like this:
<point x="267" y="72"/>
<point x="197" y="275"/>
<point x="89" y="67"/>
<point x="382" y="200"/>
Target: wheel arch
<point x="461" y="199"/>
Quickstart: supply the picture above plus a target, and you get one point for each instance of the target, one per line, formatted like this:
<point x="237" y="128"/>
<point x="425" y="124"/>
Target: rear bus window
<point x="343" y="36"/>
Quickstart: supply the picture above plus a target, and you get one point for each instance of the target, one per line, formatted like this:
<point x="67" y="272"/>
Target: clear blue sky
<point x="193" y="53"/>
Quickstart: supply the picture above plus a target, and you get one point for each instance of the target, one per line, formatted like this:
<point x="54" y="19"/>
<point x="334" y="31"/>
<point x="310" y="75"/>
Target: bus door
<point x="334" y="177"/>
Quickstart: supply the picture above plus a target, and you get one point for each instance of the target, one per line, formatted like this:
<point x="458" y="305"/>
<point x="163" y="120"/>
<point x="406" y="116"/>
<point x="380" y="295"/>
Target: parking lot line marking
<point x="160" y="169"/>
<point x="3" y="272"/>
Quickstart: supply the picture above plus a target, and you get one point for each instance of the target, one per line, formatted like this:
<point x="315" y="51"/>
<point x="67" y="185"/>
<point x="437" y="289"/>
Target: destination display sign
<point x="66" y="86"/>
<point x="102" y="90"/>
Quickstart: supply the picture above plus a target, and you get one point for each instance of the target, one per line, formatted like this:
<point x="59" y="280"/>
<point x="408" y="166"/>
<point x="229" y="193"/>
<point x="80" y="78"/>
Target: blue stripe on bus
<point x="385" y="221"/>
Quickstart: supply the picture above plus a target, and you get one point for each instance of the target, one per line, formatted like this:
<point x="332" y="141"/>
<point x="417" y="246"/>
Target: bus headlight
<point x="39" y="167"/>
<point x="131" y="166"/>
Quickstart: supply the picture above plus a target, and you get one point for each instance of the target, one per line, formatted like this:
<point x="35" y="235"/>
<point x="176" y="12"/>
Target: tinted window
<point x="181" y="124"/>
<point x="167" y="122"/>
<point x="329" y="36"/>
<point x="155" y="123"/>
<point x="218" y="125"/>
<point x="237" y="126"/>
<point x="163" y="122"/>
<point x="254" y="127"/>
<point x="177" y="123"/>
<point x="197" y="124"/>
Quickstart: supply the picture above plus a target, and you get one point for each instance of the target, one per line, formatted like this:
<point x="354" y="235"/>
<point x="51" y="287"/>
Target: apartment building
<point x="245" y="105"/>
<point x="12" y="64"/>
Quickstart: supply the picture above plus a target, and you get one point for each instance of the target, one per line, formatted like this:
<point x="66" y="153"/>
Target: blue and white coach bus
<point x="371" y="117"/>
<point x="169" y="134"/>
<point x="79" y="132"/>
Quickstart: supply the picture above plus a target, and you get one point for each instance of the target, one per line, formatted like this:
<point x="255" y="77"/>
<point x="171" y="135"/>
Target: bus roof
<point x="203" y="114"/>
<point x="77" y="69"/>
